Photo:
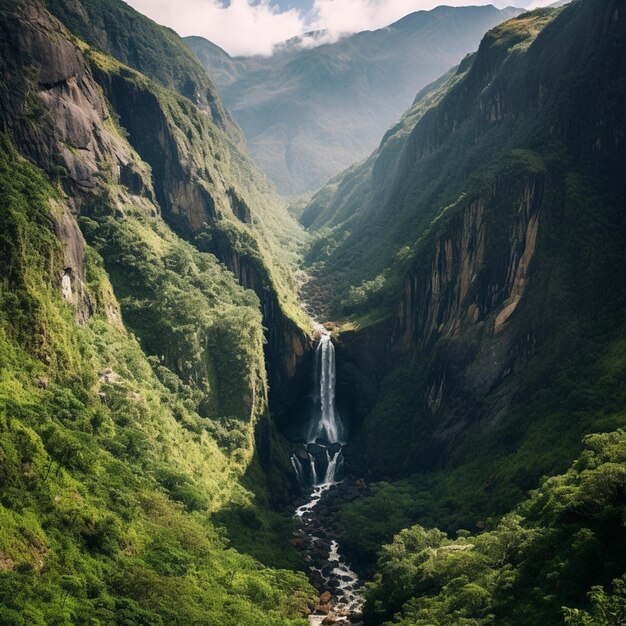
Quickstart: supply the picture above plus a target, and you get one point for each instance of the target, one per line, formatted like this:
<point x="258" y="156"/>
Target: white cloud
<point x="348" y="16"/>
<point x="240" y="28"/>
<point x="248" y="27"/>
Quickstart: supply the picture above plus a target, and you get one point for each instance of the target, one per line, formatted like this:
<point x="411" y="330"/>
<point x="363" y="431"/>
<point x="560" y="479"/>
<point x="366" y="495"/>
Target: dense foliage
<point x="109" y="472"/>
<point x="546" y="555"/>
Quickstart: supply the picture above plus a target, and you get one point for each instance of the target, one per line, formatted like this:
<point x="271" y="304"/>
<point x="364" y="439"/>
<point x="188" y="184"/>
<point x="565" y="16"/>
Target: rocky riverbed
<point x="341" y="598"/>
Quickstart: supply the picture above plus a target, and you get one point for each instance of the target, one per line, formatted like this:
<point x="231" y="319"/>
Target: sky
<point x="250" y="27"/>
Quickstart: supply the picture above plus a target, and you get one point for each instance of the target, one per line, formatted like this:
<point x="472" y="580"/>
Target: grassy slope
<point x="146" y="437"/>
<point x="108" y="485"/>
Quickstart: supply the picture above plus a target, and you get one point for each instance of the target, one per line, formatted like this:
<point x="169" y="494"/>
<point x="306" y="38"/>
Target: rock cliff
<point x="446" y="253"/>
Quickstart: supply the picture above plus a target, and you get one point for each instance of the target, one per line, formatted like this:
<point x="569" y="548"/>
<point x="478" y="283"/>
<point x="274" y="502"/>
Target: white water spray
<point x="326" y="424"/>
<point x="334" y="463"/>
<point x="297" y="466"/>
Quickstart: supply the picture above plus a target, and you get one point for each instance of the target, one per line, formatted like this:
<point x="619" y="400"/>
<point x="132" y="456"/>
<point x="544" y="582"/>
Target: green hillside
<point x="132" y="367"/>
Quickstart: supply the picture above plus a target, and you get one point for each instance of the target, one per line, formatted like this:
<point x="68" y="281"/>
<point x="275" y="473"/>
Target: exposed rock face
<point x="185" y="200"/>
<point x="123" y="33"/>
<point x="462" y="310"/>
<point x="362" y="359"/>
<point x="54" y="109"/>
<point x="476" y="282"/>
<point x="72" y="281"/>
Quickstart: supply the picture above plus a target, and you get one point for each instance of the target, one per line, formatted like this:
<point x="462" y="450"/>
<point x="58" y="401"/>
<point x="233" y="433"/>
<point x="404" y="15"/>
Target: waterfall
<point x="297" y="466"/>
<point x="326" y="425"/>
<point x="334" y="464"/>
<point x="313" y="470"/>
<point x="326" y="432"/>
<point x="323" y="444"/>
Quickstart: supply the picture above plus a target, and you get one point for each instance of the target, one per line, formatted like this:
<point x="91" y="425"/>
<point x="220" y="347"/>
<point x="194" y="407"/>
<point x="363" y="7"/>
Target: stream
<point x="319" y="468"/>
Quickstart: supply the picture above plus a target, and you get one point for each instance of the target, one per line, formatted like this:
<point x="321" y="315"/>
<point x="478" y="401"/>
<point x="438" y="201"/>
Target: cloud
<point x="241" y="28"/>
<point x="250" y="27"/>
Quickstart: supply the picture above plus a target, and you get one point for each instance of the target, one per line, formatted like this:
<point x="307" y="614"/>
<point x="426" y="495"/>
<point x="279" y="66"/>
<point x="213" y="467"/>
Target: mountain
<point x="309" y="112"/>
<point x="134" y="399"/>
<point x="179" y="444"/>
<point x="474" y="264"/>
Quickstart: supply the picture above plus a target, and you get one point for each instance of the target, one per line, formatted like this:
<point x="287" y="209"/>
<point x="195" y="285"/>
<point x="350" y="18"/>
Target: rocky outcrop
<point x="458" y="312"/>
<point x="123" y="33"/>
<point x="186" y="201"/>
<point x="73" y="277"/>
<point x="363" y="358"/>
<point x="477" y="280"/>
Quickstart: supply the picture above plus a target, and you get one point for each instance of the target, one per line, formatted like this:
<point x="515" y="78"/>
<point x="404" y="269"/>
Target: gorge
<point x="319" y="467"/>
<point x="181" y="444"/>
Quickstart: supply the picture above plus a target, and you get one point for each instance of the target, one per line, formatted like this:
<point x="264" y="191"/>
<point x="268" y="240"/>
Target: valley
<point x="400" y="400"/>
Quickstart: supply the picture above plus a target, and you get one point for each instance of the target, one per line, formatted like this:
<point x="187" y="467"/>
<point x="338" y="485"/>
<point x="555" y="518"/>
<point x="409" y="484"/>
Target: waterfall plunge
<point x="326" y="425"/>
<point x="326" y="432"/>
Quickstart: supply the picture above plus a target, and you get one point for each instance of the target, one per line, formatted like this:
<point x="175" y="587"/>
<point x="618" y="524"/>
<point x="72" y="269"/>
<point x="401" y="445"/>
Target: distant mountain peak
<point x="322" y="102"/>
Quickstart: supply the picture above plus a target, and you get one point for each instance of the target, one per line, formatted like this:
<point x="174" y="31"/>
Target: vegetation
<point x="109" y="473"/>
<point x="243" y="215"/>
<point x="376" y="218"/>
<point x="530" y="568"/>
